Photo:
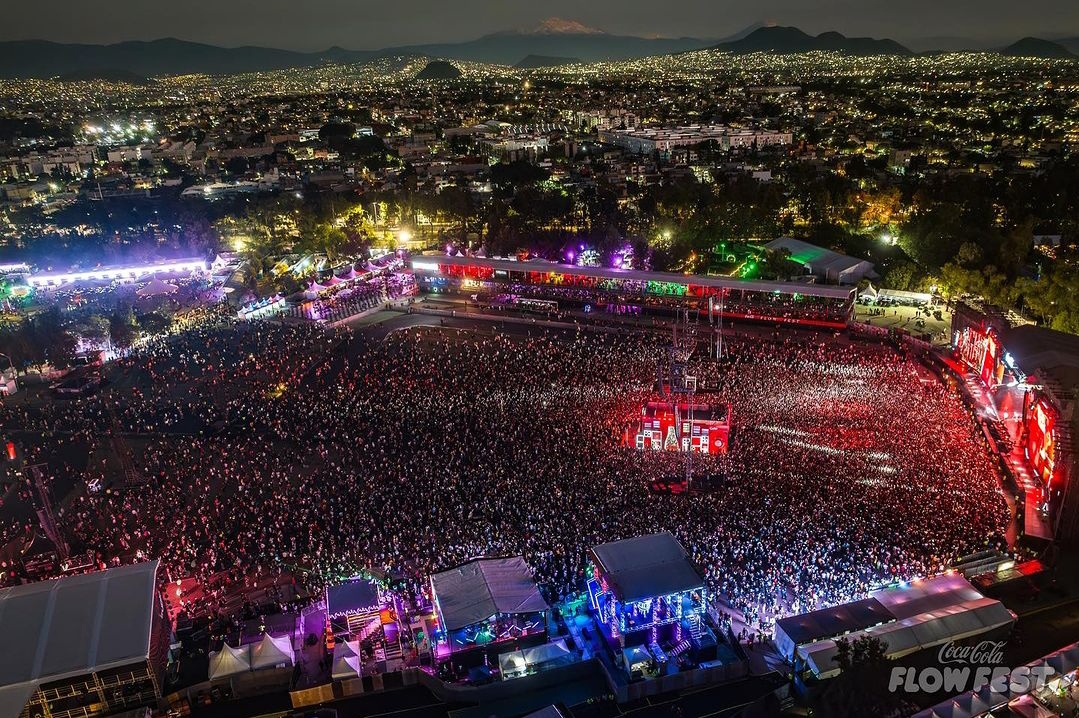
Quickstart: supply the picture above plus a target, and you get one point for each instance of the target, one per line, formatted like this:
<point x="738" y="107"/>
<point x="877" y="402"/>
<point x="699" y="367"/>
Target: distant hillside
<point x="557" y="38"/>
<point x="553" y="39"/>
<point x="562" y="26"/>
<point x="1071" y="43"/>
<point x="786" y="40"/>
<point x="533" y="62"/>
<point x="1036" y="47"/>
<point x="169" y="56"/>
<point x="439" y="70"/>
<point x="508" y="48"/>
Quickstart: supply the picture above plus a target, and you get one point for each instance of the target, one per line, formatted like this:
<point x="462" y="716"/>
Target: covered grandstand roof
<point x="483" y="587"/>
<point x="74" y="625"/>
<point x="647" y="566"/>
<point x="428" y="263"/>
<point x="794" y="631"/>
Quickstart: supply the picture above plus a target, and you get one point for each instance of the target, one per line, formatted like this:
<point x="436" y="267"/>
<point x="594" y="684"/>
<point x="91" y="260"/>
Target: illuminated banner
<point x="667" y="426"/>
<point x="1041" y="439"/>
<point x="981" y="351"/>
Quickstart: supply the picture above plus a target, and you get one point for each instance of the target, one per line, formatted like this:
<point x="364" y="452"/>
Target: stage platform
<point x="1035" y="522"/>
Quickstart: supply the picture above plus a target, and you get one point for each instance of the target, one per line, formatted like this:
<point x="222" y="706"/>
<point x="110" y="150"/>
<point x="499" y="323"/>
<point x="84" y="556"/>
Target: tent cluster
<point x="974" y="704"/>
<point x="383" y="264"/>
<point x="267" y="653"/>
<point x="315" y="288"/>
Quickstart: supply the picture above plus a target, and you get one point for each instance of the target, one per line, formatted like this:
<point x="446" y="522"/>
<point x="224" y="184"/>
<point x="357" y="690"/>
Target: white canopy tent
<point x="156" y="287"/>
<point x="229" y="661"/>
<point x="547" y="655"/>
<point x="270" y="652"/>
<point x="347" y="662"/>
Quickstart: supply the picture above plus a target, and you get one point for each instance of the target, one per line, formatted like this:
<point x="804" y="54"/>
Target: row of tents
<point x="1021" y="693"/>
<point x="270" y="652"/>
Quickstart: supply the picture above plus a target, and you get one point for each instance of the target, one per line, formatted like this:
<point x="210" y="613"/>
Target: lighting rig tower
<point x="716" y="324"/>
<point x="681" y="387"/>
<point x="46" y="516"/>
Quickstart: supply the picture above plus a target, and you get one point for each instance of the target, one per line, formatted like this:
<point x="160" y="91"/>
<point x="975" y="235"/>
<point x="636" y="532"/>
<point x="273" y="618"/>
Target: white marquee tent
<point x="975" y="704"/>
<point x="930" y="612"/>
<point x="229" y="661"/>
<point x="541" y="657"/>
<point x="347" y="662"/>
<point x="156" y="287"/>
<point x="270" y="652"/>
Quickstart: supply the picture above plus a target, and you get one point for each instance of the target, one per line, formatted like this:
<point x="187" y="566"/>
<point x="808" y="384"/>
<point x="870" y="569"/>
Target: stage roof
<point x="1040" y="348"/>
<point x="538" y="265"/>
<point x="647" y="566"/>
<point x="479" y="589"/>
<point x="74" y="625"/>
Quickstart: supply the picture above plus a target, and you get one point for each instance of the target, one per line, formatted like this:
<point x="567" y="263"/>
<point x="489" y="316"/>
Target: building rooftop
<point x="71" y="626"/>
<point x="819" y="259"/>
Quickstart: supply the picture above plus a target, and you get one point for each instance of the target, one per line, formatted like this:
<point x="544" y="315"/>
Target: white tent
<point x="931" y="612"/>
<point x="347" y="662"/>
<point x="540" y="658"/>
<point x="157" y="287"/>
<point x="270" y="652"/>
<point x="229" y="661"/>
<point x="910" y="635"/>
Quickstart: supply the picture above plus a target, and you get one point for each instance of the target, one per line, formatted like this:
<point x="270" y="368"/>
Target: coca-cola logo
<point x="986" y="653"/>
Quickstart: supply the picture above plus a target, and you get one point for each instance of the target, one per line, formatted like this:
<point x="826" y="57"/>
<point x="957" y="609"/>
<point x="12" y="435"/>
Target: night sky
<point x="370" y="24"/>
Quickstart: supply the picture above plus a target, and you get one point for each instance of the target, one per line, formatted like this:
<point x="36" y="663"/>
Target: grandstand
<point x="773" y="302"/>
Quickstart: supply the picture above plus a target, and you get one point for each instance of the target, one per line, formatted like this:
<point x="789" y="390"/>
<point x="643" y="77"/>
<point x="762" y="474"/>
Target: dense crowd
<point x="268" y="446"/>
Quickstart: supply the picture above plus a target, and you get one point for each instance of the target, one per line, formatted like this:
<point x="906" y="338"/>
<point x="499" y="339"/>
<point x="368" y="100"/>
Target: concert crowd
<point x="270" y="447"/>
